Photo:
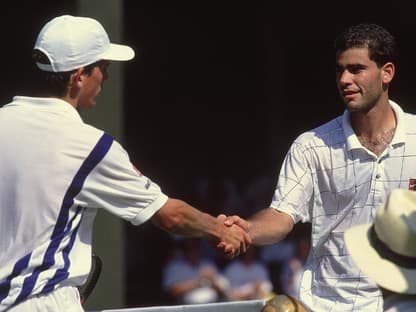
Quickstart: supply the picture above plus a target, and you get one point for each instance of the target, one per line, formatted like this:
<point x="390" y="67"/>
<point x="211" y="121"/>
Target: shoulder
<point x="410" y="120"/>
<point x="86" y="135"/>
<point x="325" y="134"/>
<point x="402" y="112"/>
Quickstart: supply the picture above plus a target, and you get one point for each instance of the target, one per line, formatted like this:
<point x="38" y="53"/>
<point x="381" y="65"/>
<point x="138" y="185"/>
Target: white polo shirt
<point x="331" y="181"/>
<point x="56" y="172"/>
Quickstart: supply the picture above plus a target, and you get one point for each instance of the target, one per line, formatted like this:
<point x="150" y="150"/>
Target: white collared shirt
<point x="330" y="180"/>
<point x="56" y="173"/>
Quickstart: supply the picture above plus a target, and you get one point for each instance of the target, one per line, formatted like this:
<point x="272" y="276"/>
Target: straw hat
<point x="386" y="250"/>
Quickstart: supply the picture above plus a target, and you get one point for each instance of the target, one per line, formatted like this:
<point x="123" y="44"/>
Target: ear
<point x="77" y="78"/>
<point x="387" y="72"/>
<point x="75" y="83"/>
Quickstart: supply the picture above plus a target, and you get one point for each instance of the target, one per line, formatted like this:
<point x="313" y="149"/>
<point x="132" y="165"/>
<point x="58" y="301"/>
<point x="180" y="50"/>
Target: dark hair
<point x="381" y="44"/>
<point x="53" y="83"/>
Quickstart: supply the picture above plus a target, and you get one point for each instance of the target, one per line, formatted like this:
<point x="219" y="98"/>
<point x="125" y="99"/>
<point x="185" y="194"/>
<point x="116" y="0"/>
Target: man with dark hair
<point x="57" y="172"/>
<point x="51" y="83"/>
<point x="335" y="175"/>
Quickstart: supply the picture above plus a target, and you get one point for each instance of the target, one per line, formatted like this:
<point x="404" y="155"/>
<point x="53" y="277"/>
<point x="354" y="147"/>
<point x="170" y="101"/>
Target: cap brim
<point x="383" y="272"/>
<point x="118" y="52"/>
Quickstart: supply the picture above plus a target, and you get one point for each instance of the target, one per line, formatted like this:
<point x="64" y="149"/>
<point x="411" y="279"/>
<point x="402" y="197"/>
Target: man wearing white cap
<point x="58" y="171"/>
<point x="386" y="250"/>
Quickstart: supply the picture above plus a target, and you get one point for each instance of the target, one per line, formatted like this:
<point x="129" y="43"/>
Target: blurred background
<point x="208" y="108"/>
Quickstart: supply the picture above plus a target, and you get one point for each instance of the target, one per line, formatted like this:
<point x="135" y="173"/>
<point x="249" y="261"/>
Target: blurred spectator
<point x="248" y="277"/>
<point x="292" y="272"/>
<point x="276" y="257"/>
<point x="285" y="259"/>
<point x="216" y="196"/>
<point x="188" y="278"/>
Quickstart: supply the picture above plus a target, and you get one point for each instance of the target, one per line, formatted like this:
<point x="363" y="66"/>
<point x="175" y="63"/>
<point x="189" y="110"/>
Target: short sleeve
<point x="117" y="186"/>
<point x="293" y="193"/>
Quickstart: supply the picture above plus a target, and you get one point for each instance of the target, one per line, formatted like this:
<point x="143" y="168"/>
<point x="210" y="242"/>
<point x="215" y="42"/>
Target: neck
<point x="374" y="122"/>
<point x="375" y="129"/>
<point x="70" y="98"/>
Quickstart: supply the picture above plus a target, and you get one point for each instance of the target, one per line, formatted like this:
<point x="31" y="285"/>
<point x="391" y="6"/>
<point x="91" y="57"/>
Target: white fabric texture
<point x="63" y="299"/>
<point x="56" y="173"/>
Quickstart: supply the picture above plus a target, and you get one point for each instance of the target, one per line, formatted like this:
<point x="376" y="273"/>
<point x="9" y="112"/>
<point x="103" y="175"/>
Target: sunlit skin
<point x="92" y="85"/>
<point x="84" y="88"/>
<point x="359" y="80"/>
<point x="363" y="87"/>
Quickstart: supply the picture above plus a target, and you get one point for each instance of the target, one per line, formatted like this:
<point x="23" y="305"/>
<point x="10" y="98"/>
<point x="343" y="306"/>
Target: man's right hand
<point x="236" y="239"/>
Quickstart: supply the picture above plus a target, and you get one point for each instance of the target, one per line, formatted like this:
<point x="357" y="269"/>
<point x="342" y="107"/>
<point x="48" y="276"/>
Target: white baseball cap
<point x="71" y="42"/>
<point x="386" y="250"/>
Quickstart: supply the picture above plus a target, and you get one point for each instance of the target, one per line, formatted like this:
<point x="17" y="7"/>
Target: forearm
<point x="269" y="226"/>
<point x="178" y="217"/>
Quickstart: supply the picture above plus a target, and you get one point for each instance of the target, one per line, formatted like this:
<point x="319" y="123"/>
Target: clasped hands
<point x="235" y="238"/>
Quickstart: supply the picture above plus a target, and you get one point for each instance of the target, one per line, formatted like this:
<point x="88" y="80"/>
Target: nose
<point x="344" y="78"/>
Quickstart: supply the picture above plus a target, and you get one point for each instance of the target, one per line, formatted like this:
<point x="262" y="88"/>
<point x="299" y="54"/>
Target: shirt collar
<point x="399" y="134"/>
<point x="48" y="103"/>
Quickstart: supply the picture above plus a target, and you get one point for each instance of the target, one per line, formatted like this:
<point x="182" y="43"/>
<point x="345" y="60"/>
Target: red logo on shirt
<point x="412" y="184"/>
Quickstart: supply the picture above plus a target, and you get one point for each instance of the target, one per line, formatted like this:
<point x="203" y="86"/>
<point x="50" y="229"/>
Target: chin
<point x="352" y="105"/>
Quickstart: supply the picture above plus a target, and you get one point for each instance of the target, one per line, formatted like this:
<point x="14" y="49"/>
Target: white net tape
<point x="234" y="306"/>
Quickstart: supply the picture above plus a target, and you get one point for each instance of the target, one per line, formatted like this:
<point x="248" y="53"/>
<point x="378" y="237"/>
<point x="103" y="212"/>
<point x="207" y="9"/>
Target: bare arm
<point x="178" y="217"/>
<point x="268" y="226"/>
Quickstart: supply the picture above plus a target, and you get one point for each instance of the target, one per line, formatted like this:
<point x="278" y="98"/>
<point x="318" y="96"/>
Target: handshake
<point x="234" y="238"/>
<point x="231" y="235"/>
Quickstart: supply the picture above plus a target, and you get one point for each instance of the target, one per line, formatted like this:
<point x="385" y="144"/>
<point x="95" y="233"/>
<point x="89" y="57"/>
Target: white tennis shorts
<point x="62" y="299"/>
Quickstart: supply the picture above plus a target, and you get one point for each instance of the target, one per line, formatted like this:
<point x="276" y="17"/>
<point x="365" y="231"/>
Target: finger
<point x="242" y="247"/>
<point x="230" y="254"/>
<point x="236" y="252"/>
<point x="221" y="245"/>
<point x="229" y="249"/>
<point x="243" y="224"/>
<point x="230" y="220"/>
<point x="221" y="216"/>
<point x="237" y="221"/>
<point x="247" y="238"/>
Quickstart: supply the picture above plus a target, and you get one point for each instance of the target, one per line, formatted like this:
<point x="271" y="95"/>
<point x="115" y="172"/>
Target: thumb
<point x="221" y="217"/>
<point x="229" y="221"/>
